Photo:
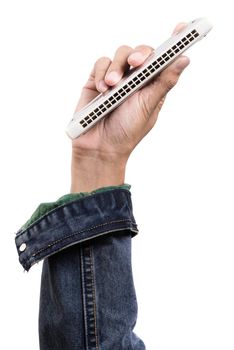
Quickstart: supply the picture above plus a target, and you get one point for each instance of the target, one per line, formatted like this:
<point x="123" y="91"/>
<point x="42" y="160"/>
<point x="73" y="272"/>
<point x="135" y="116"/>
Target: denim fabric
<point x="87" y="299"/>
<point x="45" y="208"/>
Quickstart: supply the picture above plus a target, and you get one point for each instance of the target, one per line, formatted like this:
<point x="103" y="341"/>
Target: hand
<point x="112" y="139"/>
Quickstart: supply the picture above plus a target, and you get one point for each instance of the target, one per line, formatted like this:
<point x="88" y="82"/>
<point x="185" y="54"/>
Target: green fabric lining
<point x="45" y="208"/>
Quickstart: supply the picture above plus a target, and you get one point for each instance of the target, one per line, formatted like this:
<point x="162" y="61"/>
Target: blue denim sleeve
<point x="87" y="298"/>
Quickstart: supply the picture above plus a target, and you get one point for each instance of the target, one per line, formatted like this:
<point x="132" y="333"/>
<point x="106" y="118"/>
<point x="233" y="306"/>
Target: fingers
<point x="124" y="58"/>
<point x="169" y="77"/>
<point x="139" y="55"/>
<point x="154" y="94"/>
<point x="180" y="26"/>
<point x="100" y="68"/>
<point x="108" y="73"/>
<point x="118" y="66"/>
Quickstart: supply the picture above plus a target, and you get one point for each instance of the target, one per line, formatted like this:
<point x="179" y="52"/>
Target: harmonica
<point x="136" y="78"/>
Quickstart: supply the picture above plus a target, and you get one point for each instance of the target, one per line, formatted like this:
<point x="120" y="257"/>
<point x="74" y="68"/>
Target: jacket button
<point x="22" y="247"/>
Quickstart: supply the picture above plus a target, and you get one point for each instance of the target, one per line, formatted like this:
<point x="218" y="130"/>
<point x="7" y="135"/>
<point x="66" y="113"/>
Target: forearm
<point x="91" y="171"/>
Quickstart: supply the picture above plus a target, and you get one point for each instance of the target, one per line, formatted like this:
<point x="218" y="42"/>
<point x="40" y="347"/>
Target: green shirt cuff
<point x="45" y="208"/>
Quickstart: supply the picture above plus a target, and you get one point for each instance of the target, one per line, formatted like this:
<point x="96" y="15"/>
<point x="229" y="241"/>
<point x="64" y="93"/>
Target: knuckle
<point x="102" y="60"/>
<point x="144" y="104"/>
<point x="116" y="64"/>
<point x="105" y="58"/>
<point x="169" y="82"/>
<point x="144" y="48"/>
<point x="124" y="48"/>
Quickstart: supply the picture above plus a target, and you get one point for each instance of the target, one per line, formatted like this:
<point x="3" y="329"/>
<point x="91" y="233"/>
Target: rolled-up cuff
<point x="74" y="222"/>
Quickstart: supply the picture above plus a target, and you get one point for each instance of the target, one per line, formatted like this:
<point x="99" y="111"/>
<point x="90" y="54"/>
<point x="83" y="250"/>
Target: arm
<point x="87" y="297"/>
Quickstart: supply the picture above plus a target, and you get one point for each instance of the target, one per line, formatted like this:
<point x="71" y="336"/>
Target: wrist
<point x="92" y="171"/>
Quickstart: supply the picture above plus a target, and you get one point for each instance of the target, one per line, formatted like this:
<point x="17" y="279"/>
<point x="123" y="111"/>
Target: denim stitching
<point x="94" y="302"/>
<point x="79" y="232"/>
<point x="83" y="293"/>
<point x="29" y="262"/>
<point x="89" y="301"/>
<point x="19" y="233"/>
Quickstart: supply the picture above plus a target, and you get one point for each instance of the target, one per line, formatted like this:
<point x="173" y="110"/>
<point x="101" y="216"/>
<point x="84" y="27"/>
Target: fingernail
<point x="102" y="87"/>
<point x="136" y="57"/>
<point x="182" y="63"/>
<point x="113" y="77"/>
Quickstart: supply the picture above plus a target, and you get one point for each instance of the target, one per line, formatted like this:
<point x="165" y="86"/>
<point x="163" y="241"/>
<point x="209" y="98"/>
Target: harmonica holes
<point x="138" y="79"/>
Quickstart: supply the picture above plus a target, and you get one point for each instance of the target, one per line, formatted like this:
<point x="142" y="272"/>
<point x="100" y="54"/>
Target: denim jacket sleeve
<point x="87" y="298"/>
<point x="90" y="216"/>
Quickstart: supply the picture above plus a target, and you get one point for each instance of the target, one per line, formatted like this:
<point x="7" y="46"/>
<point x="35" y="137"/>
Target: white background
<point x="181" y="174"/>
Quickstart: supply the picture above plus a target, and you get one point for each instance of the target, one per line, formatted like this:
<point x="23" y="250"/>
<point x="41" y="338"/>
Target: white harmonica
<point x="164" y="55"/>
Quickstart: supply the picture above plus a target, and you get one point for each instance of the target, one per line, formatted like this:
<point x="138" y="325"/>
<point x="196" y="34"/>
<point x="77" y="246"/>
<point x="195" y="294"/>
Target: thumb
<point x="153" y="93"/>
